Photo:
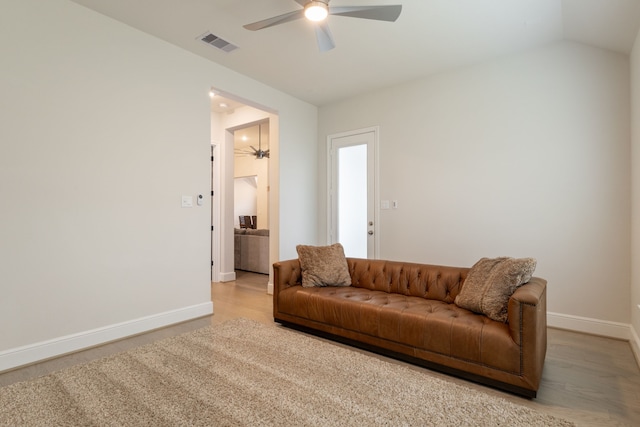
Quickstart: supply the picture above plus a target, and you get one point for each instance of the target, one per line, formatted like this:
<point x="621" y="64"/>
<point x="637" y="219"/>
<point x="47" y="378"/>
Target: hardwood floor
<point x="590" y="380"/>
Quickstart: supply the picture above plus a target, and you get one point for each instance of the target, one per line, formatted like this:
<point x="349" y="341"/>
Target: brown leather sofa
<point x="407" y="311"/>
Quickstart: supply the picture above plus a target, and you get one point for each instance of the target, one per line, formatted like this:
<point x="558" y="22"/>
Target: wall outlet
<point x="395" y="204"/>
<point x="187" y="201"/>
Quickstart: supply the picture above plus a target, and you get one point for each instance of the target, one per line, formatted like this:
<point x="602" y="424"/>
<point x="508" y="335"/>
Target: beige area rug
<point x="244" y="373"/>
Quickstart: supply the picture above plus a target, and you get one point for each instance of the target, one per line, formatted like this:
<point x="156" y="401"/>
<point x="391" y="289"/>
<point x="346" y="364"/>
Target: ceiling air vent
<point x="217" y="42"/>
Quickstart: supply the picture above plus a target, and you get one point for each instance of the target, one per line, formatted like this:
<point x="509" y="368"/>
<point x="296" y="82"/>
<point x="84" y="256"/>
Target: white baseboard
<point x="227" y="277"/>
<point x="590" y="326"/>
<point x="28" y="354"/>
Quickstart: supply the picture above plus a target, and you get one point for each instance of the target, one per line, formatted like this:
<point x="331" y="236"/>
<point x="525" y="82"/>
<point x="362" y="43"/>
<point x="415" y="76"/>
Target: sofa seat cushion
<point x="451" y="331"/>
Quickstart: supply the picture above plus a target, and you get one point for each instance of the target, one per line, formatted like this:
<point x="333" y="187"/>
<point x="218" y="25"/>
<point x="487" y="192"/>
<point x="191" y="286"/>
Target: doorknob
<point x="370" y="232"/>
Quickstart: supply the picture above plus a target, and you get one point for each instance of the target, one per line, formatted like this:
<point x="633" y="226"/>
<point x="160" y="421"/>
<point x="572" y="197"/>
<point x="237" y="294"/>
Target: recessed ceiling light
<point x="223" y="105"/>
<point x="212" y="94"/>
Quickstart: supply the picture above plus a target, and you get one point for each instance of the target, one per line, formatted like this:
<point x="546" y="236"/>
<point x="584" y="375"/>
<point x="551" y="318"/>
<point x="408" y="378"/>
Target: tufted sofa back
<point x="420" y="280"/>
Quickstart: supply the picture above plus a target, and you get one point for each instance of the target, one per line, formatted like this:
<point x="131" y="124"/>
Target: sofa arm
<point x="528" y="326"/>
<point x="528" y="303"/>
<point x="285" y="274"/>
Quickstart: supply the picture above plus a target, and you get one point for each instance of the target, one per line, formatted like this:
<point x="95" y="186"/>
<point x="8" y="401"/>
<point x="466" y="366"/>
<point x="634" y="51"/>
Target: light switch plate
<point x="187" y="201"/>
<point x="384" y="204"/>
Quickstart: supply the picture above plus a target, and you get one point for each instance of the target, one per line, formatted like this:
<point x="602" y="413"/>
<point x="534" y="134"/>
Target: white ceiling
<point x="222" y="104"/>
<point x="429" y="37"/>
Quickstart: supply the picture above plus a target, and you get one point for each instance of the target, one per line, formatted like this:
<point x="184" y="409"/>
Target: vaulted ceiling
<point x="430" y="36"/>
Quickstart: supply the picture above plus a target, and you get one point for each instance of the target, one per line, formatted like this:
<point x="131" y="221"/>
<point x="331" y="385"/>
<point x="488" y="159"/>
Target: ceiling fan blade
<point x="380" y="13"/>
<point x="323" y="36"/>
<point x="243" y="153"/>
<point x="276" y="20"/>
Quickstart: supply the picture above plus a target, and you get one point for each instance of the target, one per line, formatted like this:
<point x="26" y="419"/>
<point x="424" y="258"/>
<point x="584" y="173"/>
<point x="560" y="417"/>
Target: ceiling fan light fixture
<point x="316" y="11"/>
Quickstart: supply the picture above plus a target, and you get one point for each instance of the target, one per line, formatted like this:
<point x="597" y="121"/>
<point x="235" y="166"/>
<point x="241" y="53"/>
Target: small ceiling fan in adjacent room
<point x="250" y="150"/>
<point x="317" y="12"/>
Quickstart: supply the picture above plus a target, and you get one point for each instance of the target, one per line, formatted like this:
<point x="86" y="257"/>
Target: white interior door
<point x="352" y="213"/>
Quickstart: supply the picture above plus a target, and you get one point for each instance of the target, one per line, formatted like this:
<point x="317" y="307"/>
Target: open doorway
<point x="251" y="197"/>
<point x="251" y="175"/>
<point x="245" y="140"/>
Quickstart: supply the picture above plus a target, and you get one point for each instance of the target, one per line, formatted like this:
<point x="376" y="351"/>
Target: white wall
<point x="255" y="201"/>
<point x="523" y="156"/>
<point x="104" y="128"/>
<point x="635" y="196"/>
<point x="245" y="194"/>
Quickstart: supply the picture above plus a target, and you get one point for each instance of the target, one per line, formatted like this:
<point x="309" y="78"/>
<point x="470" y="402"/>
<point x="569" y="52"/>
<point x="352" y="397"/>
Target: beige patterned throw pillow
<point x="491" y="282"/>
<point x="323" y="266"/>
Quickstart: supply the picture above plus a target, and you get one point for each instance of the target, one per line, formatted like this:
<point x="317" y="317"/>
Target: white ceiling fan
<point x="317" y="12"/>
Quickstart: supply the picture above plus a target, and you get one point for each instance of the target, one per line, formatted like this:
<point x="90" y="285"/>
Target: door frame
<point x="376" y="183"/>
<point x="215" y="212"/>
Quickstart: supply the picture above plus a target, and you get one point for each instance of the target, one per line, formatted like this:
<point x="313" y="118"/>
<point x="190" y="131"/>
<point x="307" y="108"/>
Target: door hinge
<point x="212" y="158"/>
<point x="211" y="193"/>
<point x="212" y="228"/>
<point x="211" y="263"/>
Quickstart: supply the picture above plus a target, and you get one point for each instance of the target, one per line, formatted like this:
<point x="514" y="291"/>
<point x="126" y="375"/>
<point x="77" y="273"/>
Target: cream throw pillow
<point x="323" y="266"/>
<point x="491" y="282"/>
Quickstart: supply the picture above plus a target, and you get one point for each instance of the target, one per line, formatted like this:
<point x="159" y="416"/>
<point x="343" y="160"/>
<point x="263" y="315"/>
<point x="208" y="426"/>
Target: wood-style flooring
<point x="590" y="380"/>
